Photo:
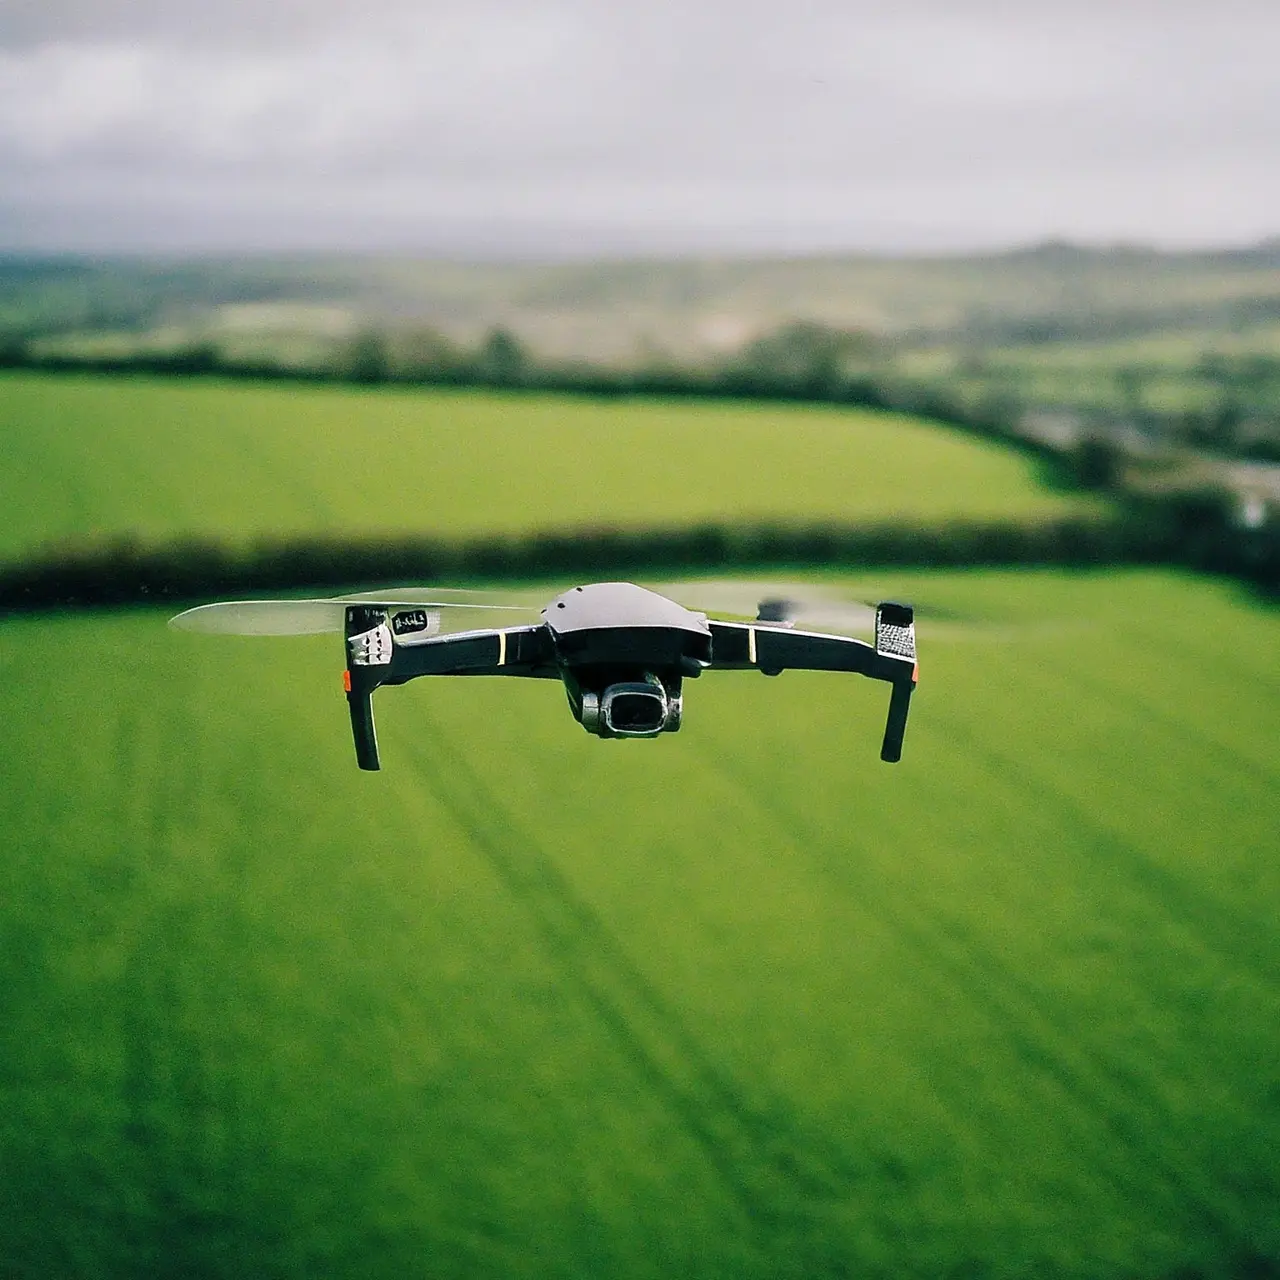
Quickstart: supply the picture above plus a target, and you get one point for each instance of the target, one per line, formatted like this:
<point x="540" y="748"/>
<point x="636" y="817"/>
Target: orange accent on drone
<point x="346" y="681"/>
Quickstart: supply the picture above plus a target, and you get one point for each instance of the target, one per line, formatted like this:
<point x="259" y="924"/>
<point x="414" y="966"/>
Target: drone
<point x="621" y="651"/>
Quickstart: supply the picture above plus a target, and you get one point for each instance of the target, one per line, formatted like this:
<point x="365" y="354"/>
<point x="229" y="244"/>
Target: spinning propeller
<point x="312" y="617"/>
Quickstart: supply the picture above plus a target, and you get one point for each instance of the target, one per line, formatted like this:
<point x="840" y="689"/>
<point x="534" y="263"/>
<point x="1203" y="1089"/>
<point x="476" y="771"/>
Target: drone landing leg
<point x="360" y="704"/>
<point x="896" y="726"/>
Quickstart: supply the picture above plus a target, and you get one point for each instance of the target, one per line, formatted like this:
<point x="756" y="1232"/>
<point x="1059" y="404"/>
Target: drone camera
<point x="631" y="708"/>
<point x="634" y="710"/>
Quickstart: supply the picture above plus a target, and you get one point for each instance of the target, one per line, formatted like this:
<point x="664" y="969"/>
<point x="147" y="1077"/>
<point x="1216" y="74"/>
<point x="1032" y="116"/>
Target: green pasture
<point x="737" y="1002"/>
<point x="100" y="457"/>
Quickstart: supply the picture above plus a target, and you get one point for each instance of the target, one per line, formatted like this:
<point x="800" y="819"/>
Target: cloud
<point x="339" y="99"/>
<point x="962" y="123"/>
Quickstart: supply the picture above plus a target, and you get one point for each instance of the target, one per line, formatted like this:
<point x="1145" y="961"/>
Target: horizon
<point x="587" y="257"/>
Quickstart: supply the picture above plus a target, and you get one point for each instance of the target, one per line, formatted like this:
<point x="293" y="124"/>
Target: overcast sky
<point x="492" y="127"/>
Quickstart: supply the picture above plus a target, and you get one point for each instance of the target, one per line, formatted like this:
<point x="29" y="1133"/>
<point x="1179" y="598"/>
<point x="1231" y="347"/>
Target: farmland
<point x="1179" y="346"/>
<point x="1168" y="373"/>
<point x="740" y="1002"/>
<point x="615" y="310"/>
<point x="93" y="457"/>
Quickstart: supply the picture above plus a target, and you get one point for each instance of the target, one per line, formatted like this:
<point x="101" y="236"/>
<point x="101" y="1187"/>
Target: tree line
<point x="1192" y="530"/>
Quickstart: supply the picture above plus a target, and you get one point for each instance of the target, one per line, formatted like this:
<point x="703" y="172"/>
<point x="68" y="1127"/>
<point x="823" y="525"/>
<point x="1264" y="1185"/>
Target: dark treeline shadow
<point x="125" y="572"/>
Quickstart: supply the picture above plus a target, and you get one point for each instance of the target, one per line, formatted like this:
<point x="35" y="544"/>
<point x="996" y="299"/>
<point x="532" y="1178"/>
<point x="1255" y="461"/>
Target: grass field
<point x="163" y="459"/>
<point x="740" y="1002"/>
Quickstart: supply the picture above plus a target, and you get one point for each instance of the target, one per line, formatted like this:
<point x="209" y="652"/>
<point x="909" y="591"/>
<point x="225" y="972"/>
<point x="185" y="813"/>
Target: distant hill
<point x="628" y="309"/>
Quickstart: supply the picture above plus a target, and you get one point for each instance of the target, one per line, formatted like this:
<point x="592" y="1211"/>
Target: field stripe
<point x="1171" y="1159"/>
<point x="192" y="1162"/>
<point x="931" y="945"/>
<point x="1041" y="1037"/>
<point x="567" y="928"/>
<point x="775" y="1172"/>
<point x="1121" y="692"/>
<point x="1236" y="939"/>
<point x="167" y="1086"/>
<point x="1247" y="661"/>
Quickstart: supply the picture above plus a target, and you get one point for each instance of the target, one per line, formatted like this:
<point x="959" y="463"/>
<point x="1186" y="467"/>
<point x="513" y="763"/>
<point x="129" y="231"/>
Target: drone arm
<point x="507" y="651"/>
<point x="376" y="657"/>
<point x="774" y="649"/>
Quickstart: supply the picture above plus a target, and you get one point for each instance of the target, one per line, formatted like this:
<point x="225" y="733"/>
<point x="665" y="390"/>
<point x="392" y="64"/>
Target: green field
<point x="99" y="457"/>
<point x="740" y="1002"/>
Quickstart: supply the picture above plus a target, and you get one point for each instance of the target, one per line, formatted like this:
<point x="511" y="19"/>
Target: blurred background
<point x="969" y="304"/>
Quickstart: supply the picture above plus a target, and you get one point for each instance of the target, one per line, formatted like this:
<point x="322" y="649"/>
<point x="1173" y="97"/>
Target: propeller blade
<point x="803" y="604"/>
<point x="263" y="618"/>
<point x="817" y="607"/>
<point x="452" y="596"/>
<point x="312" y="617"/>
